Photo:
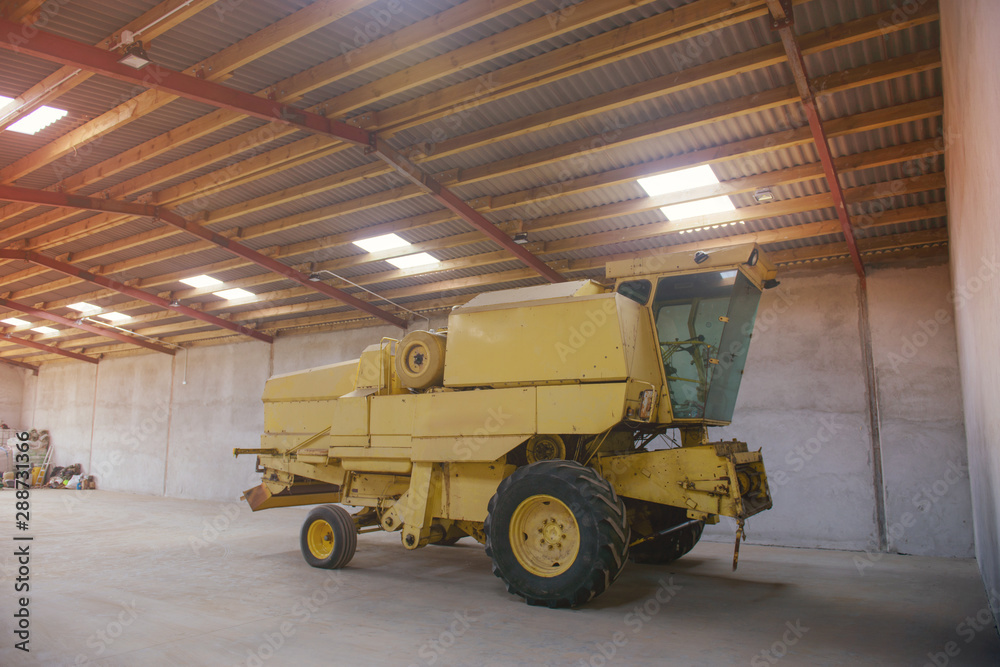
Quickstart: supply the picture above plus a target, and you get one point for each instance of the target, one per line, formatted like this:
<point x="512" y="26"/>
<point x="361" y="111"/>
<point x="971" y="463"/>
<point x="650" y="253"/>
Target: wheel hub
<point x="544" y="536"/>
<point x="320" y="538"/>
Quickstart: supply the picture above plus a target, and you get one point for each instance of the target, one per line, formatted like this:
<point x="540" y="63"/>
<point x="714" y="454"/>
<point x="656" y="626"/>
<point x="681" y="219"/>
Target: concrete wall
<point x="804" y="400"/>
<point x="972" y="98"/>
<point x="11" y="395"/>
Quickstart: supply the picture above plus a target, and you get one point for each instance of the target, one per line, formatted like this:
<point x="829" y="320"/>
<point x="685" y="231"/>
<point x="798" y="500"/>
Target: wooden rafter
<point x="153" y="23"/>
<point x="121" y="288"/>
<point x="645" y="131"/>
<point x="769" y="236"/>
<point x="846" y="33"/>
<point x="303" y="151"/>
<point x="80" y="324"/>
<point x="736" y="150"/>
<point x="214" y="68"/>
<point x="828" y="252"/>
<point x="44" y="198"/>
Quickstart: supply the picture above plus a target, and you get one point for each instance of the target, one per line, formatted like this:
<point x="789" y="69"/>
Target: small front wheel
<point x="329" y="537"/>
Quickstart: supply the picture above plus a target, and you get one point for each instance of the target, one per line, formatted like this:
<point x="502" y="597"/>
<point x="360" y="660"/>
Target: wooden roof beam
<point x="77" y="272"/>
<point x="808" y="253"/>
<point x="58" y="49"/>
<point x="672" y="24"/>
<point x="516" y="37"/>
<point x="678" y="122"/>
<point x="156" y="21"/>
<point x="24" y="342"/>
<point x="384" y="48"/>
<point x="845" y="33"/>
<point x="736" y="150"/>
<point x="79" y="324"/>
<point x="823" y="228"/>
<point x="45" y="198"/>
<point x="220" y="66"/>
<point x="22" y="11"/>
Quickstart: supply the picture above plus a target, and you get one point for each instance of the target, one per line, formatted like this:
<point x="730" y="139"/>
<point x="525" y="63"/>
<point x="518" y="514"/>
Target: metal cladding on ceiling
<point x="276" y="200"/>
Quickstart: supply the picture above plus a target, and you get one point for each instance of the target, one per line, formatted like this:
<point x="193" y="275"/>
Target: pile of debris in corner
<point x="43" y="474"/>
<point x="69" y="477"/>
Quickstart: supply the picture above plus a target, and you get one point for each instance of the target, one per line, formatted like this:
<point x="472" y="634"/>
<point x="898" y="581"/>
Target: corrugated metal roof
<point x="221" y="26"/>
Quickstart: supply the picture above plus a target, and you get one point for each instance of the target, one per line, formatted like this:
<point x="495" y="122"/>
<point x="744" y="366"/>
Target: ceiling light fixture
<point x="763" y="195"/>
<point x="15" y="322"/>
<point x="133" y="55"/>
<point x="521" y="238"/>
<point x="46" y="330"/>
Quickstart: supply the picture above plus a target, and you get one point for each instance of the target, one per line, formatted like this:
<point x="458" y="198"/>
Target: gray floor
<point x="129" y="580"/>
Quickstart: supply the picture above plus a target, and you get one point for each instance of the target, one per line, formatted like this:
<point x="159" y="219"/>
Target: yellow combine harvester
<point x="527" y="425"/>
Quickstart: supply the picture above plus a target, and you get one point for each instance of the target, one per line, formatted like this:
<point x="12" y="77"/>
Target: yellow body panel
<point x="685" y="263"/>
<point x="348" y="416"/>
<point x="475" y="448"/>
<point x="569" y="339"/>
<point x="580" y="408"/>
<point x="299" y="417"/>
<point x="466" y="489"/>
<point x="319" y="383"/>
<point x="475" y="413"/>
<point x="393" y="415"/>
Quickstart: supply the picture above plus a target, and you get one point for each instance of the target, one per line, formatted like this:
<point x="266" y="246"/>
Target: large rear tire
<point x="329" y="537"/>
<point x="557" y="533"/>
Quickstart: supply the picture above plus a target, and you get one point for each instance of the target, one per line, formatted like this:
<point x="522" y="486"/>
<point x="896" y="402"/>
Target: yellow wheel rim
<point x="320" y="538"/>
<point x="545" y="448"/>
<point x="415" y="358"/>
<point x="544" y="536"/>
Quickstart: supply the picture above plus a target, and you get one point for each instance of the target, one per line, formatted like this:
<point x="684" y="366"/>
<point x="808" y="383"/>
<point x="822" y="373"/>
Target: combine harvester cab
<point x="529" y="423"/>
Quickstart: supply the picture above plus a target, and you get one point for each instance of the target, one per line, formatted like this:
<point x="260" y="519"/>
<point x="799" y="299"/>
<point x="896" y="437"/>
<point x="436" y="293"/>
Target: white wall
<point x="922" y="430"/>
<point x="970" y="51"/>
<point x="804" y="400"/>
<point x="11" y="395"/>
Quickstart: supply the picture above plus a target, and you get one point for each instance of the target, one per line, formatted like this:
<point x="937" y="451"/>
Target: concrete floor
<point x="129" y="580"/>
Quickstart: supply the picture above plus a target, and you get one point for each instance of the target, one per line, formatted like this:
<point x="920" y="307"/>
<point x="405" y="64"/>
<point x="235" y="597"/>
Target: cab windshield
<point x="704" y="322"/>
